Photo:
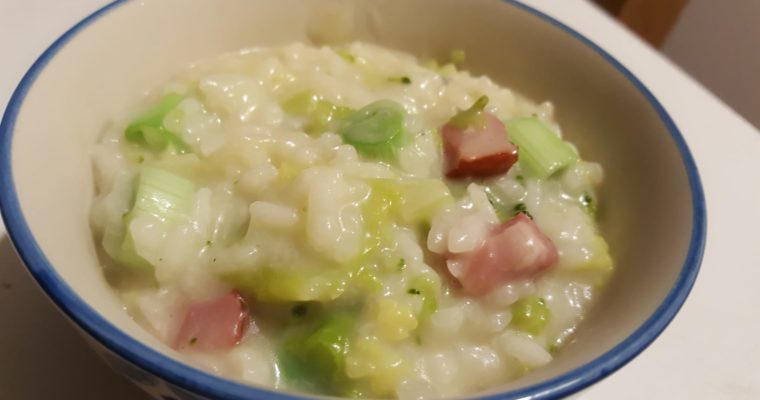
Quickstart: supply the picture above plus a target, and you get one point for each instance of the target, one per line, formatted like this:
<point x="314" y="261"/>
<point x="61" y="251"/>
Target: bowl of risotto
<point x="280" y="199"/>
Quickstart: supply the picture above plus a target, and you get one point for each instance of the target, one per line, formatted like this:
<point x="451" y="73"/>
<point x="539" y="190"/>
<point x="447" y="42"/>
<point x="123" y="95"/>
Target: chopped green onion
<point x="470" y="116"/>
<point x="148" y="129"/>
<point x="540" y="151"/>
<point x="404" y="80"/>
<point x="531" y="315"/>
<point x="376" y="130"/>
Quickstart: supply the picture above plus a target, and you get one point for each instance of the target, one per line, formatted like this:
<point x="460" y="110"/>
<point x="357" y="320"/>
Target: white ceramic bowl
<point x="654" y="215"/>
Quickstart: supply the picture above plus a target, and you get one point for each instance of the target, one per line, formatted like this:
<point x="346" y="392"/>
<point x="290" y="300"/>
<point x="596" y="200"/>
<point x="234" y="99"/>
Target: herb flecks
<point x="521" y="208"/>
<point x="588" y="204"/>
<point x="414" y="291"/>
<point x="404" y="80"/>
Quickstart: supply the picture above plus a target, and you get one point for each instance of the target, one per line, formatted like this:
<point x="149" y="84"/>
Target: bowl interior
<point x="105" y="68"/>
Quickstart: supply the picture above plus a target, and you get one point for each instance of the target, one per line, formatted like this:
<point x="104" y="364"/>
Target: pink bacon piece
<point x="478" y="151"/>
<point x="214" y="325"/>
<point x="516" y="249"/>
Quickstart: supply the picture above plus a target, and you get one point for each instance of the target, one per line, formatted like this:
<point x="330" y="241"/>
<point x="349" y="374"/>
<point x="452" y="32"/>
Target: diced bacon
<point x="478" y="152"/>
<point x="516" y="249"/>
<point x="213" y="325"/>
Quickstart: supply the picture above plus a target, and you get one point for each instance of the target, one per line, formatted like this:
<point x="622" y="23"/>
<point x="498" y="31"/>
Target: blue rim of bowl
<point x="206" y="384"/>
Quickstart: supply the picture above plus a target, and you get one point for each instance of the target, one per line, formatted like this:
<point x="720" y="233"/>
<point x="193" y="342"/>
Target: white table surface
<point x="710" y="351"/>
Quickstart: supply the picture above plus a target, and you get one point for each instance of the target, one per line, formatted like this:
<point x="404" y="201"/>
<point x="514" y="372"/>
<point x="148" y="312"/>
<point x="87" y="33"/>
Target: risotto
<point x="349" y="221"/>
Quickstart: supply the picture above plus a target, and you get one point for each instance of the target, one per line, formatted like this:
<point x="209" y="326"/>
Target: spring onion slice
<point x="541" y="152"/>
<point x="376" y="131"/>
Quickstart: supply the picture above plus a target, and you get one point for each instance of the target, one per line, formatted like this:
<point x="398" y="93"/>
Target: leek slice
<point x="540" y="151"/>
<point x="148" y="129"/>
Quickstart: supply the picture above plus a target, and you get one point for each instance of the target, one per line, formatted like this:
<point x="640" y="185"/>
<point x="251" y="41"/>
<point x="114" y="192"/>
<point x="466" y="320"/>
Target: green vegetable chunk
<point x="163" y="195"/>
<point x="148" y="129"/>
<point x="531" y="315"/>
<point x="314" y="358"/>
<point x="377" y="130"/>
<point x="540" y="151"/>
